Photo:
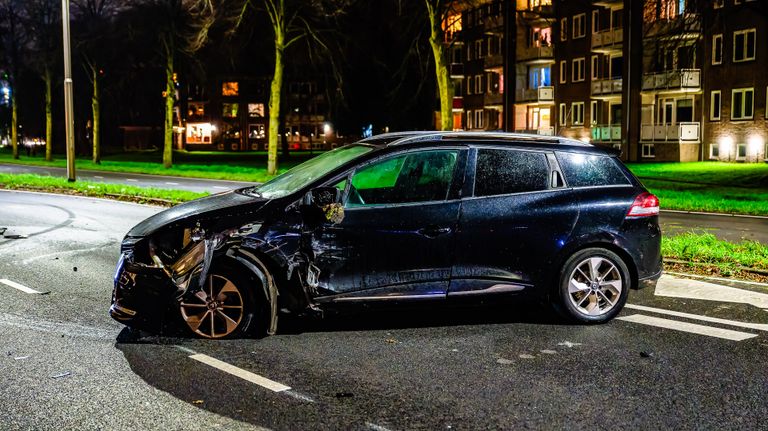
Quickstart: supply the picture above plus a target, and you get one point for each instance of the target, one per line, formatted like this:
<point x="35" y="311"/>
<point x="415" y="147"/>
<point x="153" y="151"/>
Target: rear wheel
<point x="223" y="308"/>
<point x="594" y="285"/>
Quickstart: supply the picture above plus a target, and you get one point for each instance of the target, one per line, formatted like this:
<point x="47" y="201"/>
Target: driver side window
<point x="413" y="177"/>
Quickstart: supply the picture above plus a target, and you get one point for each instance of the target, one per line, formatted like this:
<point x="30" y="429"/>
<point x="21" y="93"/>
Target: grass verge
<point x="99" y="190"/>
<point x="705" y="251"/>
<point x="248" y="167"/>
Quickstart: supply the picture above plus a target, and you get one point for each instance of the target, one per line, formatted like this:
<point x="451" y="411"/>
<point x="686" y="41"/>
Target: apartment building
<point x="695" y="79"/>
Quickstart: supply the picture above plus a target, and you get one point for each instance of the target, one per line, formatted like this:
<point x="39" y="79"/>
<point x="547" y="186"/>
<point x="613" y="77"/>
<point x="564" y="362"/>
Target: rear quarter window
<point x="501" y="172"/>
<point x="584" y="170"/>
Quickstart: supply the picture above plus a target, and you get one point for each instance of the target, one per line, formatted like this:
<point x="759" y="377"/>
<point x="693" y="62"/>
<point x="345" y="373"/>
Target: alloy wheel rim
<point x="595" y="286"/>
<point x="214" y="311"/>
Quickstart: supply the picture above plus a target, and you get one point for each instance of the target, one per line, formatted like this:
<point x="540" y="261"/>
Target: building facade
<point x="660" y="80"/>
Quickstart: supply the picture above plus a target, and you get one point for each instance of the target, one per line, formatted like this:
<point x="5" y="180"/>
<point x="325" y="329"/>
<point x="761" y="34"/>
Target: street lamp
<point x="69" y="116"/>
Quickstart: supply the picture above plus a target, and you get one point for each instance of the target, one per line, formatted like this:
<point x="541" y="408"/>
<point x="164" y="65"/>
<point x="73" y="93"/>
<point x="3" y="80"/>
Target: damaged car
<point x="398" y="218"/>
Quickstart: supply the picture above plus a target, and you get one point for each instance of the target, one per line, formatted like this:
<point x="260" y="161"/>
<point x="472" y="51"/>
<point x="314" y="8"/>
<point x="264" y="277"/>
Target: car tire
<point x="593" y="286"/>
<point x="225" y="308"/>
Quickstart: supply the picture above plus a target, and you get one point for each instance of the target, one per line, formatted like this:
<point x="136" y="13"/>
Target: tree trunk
<point x="444" y="83"/>
<point x="95" y="102"/>
<point x="169" y="98"/>
<point x="48" y="116"/>
<point x="274" y="104"/>
<point x="14" y="125"/>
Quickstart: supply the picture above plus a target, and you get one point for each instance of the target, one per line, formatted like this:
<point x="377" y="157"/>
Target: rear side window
<point x="583" y="170"/>
<point x="502" y="172"/>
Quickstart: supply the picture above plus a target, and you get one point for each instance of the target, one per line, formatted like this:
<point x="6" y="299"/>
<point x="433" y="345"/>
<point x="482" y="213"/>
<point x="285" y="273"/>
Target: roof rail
<point x="411" y="137"/>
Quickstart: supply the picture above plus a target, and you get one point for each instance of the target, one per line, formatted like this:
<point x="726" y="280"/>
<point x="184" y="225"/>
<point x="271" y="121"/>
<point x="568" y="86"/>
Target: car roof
<point x="496" y="138"/>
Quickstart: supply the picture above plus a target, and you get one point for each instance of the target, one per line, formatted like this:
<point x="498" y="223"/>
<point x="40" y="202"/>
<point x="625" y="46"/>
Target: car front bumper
<point x="141" y="295"/>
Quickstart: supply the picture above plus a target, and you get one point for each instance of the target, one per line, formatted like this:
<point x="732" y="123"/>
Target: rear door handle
<point x="433" y="231"/>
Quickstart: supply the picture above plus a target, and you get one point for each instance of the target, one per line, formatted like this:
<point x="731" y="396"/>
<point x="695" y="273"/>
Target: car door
<point x="396" y="237"/>
<point x="517" y="218"/>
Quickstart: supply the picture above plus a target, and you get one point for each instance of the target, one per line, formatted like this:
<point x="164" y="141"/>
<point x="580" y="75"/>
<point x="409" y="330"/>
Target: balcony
<point x="607" y="3"/>
<point x="456" y="70"/>
<point x="607" y="87"/>
<point x="494" y="23"/>
<point x="537" y="9"/>
<point x="536" y="53"/>
<point x="606" y="133"/>
<point x="541" y="94"/>
<point x="491" y="62"/>
<point x="543" y="131"/>
<point x="688" y="132"/>
<point x="683" y="80"/>
<point x="608" y="40"/>
<point x="493" y="99"/>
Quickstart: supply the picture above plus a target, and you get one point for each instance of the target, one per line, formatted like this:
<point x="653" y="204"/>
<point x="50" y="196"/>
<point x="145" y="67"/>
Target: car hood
<point x="223" y="208"/>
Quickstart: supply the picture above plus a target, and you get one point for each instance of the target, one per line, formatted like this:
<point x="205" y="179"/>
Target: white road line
<point x="172" y="184"/>
<point x="98" y="176"/>
<point x="376" y="427"/>
<point x="687" y="327"/>
<point x="756" y="326"/>
<point x="704" y="277"/>
<point x="221" y="188"/>
<point x="241" y="373"/>
<point x="18" y="286"/>
<point x="132" y="180"/>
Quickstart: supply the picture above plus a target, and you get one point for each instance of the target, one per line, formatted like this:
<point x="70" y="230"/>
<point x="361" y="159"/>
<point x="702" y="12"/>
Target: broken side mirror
<point x="328" y="201"/>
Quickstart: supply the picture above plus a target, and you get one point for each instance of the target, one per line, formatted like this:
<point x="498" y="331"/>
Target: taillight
<point x="644" y="205"/>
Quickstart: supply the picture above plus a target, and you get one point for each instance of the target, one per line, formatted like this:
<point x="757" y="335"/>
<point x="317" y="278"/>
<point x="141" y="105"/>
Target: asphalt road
<point x="139" y="180"/>
<point x="66" y="365"/>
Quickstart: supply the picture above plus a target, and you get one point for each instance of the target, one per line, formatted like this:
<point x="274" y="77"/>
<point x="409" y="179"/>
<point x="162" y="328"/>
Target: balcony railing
<point x="605" y="133"/>
<point x="687" y="132"/>
<point x="541" y="94"/>
<point x="493" y="99"/>
<point x="604" y="87"/>
<point x="493" y="61"/>
<point x="611" y="38"/>
<point x="544" y="131"/>
<point x="535" y="53"/>
<point x="683" y="79"/>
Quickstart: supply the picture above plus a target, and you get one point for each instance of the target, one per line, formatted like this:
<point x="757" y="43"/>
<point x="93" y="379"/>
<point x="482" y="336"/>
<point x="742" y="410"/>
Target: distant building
<point x="694" y="72"/>
<point x="232" y="114"/>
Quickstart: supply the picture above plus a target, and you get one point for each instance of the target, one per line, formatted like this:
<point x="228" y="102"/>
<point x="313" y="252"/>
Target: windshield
<point x="298" y="177"/>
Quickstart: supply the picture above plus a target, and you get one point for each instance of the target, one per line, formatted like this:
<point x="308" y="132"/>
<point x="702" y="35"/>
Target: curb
<point x="716" y="214"/>
<point x="704" y="277"/>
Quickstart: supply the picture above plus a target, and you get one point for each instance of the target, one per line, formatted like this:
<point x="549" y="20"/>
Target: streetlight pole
<point x="69" y="115"/>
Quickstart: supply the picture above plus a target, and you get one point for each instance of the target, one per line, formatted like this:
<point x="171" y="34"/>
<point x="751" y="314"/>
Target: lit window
<point x="744" y="45"/>
<point x="717" y="49"/>
<point x="577" y="113"/>
<point x="479" y="84"/>
<point x="593" y="69"/>
<point x="719" y="3"/>
<point x="579" y="26"/>
<point x="479" y="119"/>
<point x="255" y="110"/>
<point x="742" y="103"/>
<point x="230" y="89"/>
<point x="714" y="105"/>
<point x="230" y="110"/>
<point x="595" y="21"/>
<point x="649" y="150"/>
<point x="593" y="112"/>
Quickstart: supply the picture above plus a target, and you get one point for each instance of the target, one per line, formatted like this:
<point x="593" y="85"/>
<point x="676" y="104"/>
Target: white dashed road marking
<point x="241" y="373"/>
<point x="221" y="188"/>
<point x="132" y="180"/>
<point x="98" y="176"/>
<point x="687" y="327"/>
<point x="756" y="326"/>
<point x="18" y="286"/>
<point x="172" y="184"/>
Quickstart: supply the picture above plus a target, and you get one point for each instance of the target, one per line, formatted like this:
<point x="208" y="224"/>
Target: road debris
<point x="568" y="344"/>
<point x="197" y="402"/>
<point x="74" y="269"/>
<point x="526" y="356"/>
<point x="344" y="395"/>
<point x="503" y="361"/>
<point x="392" y="341"/>
<point x="64" y="374"/>
<point x="20" y="358"/>
<point x="645" y="354"/>
<point x="548" y="352"/>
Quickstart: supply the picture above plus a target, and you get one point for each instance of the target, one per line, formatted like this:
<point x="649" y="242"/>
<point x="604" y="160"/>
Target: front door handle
<point x="433" y="231"/>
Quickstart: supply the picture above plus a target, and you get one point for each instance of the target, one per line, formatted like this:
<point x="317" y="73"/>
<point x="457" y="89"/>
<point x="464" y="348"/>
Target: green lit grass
<point x="705" y="248"/>
<point x="100" y="190"/>
<point x="734" y="188"/>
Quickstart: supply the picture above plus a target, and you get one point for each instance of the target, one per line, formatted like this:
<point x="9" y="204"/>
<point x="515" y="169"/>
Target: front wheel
<point x="594" y="285"/>
<point x="223" y="308"/>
